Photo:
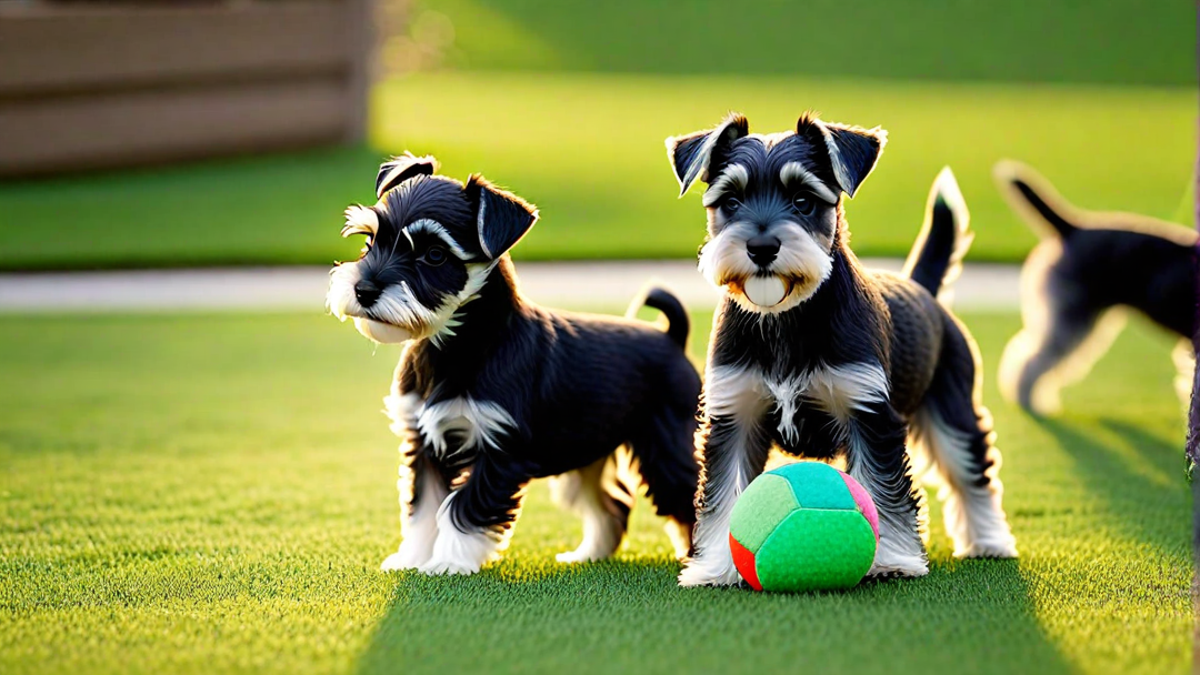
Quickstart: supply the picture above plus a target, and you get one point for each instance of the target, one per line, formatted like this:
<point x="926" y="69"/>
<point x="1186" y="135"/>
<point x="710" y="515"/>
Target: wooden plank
<point x="48" y="48"/>
<point x="54" y="134"/>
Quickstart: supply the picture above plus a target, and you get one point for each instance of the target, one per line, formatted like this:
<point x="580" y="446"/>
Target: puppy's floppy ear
<point x="691" y="155"/>
<point x="501" y="217"/>
<point x="853" y="151"/>
<point x="400" y="169"/>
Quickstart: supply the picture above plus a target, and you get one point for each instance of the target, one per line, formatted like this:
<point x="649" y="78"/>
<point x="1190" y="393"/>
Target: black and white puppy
<point x="493" y="390"/>
<point x="815" y="355"/>
<point x="1076" y="283"/>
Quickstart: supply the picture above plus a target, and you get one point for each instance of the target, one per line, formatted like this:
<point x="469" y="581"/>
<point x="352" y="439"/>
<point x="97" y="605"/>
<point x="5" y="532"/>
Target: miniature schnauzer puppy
<point x="1077" y="281"/>
<point x="815" y="355"/>
<point x="492" y="390"/>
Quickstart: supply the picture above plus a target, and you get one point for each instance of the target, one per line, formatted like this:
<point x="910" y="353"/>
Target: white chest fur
<point x="449" y="426"/>
<point x="837" y="390"/>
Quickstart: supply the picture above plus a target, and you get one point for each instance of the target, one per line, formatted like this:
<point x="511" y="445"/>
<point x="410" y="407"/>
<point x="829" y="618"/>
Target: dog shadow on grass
<point x="628" y="616"/>
<point x="1139" y="476"/>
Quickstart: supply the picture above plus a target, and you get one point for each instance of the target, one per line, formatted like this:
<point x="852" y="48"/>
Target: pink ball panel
<point x="865" y="504"/>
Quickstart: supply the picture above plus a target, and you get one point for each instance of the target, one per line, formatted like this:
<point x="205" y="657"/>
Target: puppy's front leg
<point x="734" y="447"/>
<point x="877" y="459"/>
<point x="423" y="487"/>
<point x="475" y="521"/>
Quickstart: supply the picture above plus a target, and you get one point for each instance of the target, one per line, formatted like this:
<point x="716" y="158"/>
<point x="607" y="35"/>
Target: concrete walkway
<point x="599" y="285"/>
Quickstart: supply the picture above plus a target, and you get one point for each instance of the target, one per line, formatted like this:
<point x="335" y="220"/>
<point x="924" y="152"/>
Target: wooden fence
<point x="90" y="85"/>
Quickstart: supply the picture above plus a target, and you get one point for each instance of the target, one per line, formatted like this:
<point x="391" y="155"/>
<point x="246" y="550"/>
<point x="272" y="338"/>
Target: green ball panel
<point x="764" y="504"/>
<point x="817" y="485"/>
<point x="816" y="550"/>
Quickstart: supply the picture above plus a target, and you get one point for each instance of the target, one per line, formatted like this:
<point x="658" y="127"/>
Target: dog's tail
<point x="678" y="323"/>
<point x="1037" y="202"/>
<point x="936" y="258"/>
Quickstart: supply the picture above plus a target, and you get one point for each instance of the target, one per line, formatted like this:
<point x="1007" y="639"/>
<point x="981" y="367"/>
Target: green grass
<point x="1127" y="41"/>
<point x="588" y="149"/>
<point x="213" y="493"/>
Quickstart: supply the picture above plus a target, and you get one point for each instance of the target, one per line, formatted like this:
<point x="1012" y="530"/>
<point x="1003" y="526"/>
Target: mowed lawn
<point x="214" y="493"/>
<point x="588" y="149"/>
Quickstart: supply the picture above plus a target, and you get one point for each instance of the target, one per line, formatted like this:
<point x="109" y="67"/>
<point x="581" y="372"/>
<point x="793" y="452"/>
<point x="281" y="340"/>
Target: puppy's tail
<point x="1037" y="202"/>
<point x="678" y="323"/>
<point x="935" y="260"/>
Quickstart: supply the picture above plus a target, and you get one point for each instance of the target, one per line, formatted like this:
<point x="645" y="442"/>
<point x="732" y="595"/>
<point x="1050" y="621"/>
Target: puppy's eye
<point x="434" y="256"/>
<point x="732" y="204"/>
<point x="804" y="204"/>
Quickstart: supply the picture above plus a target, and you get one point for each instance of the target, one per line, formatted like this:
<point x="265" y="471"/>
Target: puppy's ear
<point x="691" y="155"/>
<point x="400" y="169"/>
<point x="501" y="217"/>
<point x="853" y="151"/>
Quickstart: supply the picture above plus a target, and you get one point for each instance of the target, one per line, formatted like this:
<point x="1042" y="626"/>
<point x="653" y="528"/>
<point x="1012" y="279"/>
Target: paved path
<point x="600" y="285"/>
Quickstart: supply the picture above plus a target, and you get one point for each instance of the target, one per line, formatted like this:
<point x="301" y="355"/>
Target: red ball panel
<point x="743" y="559"/>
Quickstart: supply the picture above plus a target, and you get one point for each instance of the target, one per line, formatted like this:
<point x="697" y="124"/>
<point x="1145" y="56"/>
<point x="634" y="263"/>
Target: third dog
<point x="1075" y="282"/>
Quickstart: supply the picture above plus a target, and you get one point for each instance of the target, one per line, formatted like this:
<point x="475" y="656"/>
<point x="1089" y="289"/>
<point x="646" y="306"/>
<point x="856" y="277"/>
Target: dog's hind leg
<point x="666" y="458"/>
<point x="955" y="431"/>
<point x="602" y="495"/>
<point x="1063" y="335"/>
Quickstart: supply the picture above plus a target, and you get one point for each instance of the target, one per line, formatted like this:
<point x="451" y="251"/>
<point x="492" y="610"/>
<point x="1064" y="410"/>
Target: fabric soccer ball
<point x="803" y="527"/>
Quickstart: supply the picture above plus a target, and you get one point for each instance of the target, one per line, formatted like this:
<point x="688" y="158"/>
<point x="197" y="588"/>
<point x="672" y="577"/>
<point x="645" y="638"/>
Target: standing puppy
<point x="492" y="390"/>
<point x="1074" y="283"/>
<point x="826" y="360"/>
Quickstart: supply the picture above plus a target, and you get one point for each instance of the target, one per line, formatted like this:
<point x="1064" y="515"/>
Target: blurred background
<point x="153" y="134"/>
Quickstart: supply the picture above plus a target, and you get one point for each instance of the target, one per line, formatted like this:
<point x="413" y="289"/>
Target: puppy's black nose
<point x="366" y="292"/>
<point x="762" y="249"/>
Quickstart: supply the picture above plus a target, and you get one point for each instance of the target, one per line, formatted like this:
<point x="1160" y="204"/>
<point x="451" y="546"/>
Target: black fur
<point x="858" y="150"/>
<point x="692" y="154"/>
<point x="578" y="386"/>
<point x="678" y="323"/>
<point x="399" y="169"/>
<point x="936" y="247"/>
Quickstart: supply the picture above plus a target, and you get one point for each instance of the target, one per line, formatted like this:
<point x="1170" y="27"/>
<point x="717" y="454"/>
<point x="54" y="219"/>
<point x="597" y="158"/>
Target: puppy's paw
<point x="409" y="557"/>
<point x="438" y="567"/>
<point x="580" y="555"/>
<point x="989" y="549"/>
<point x="906" y="569"/>
<point x="700" y="573"/>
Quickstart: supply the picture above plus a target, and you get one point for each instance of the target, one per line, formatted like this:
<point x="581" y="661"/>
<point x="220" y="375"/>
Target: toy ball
<point x="803" y="527"/>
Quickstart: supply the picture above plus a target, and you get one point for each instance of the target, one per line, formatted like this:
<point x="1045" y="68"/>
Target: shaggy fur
<point x="814" y="355"/>
<point x="493" y="390"/>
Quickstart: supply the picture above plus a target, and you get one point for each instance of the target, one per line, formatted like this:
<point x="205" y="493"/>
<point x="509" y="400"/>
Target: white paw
<point x="989" y="549"/>
<point x="907" y="569"/>
<point x="698" y="573"/>
<point x="580" y="555"/>
<point x="437" y="567"/>
<point x="408" y="557"/>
